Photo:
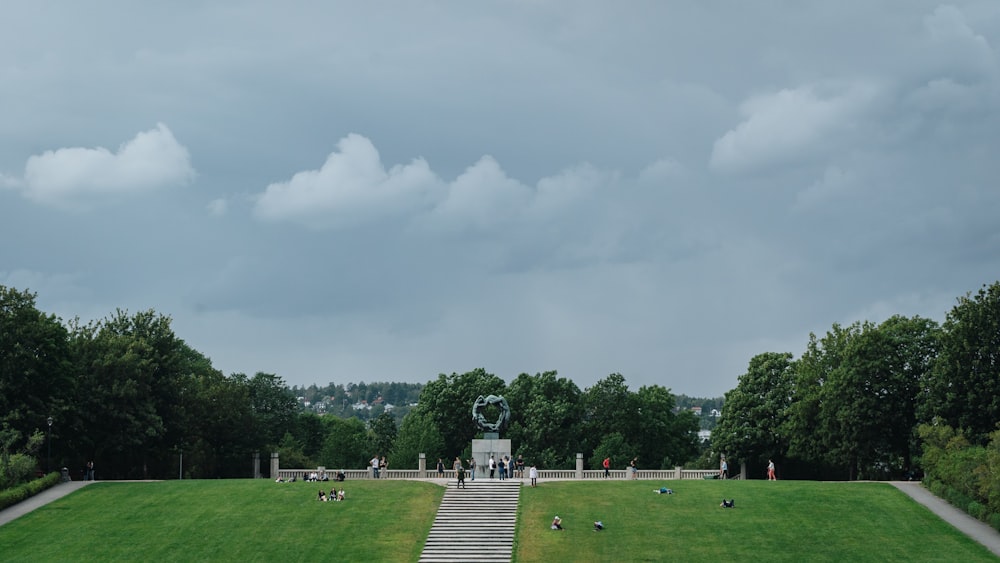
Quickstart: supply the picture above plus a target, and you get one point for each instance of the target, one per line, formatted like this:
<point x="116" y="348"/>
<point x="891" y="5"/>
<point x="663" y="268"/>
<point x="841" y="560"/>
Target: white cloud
<point x="71" y="176"/>
<point x="836" y="182"/>
<point x="352" y="186"/>
<point x="790" y="123"/>
<point x="481" y="198"/>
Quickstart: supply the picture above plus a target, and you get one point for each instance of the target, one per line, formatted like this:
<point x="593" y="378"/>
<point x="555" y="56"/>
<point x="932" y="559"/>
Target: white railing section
<point x="562" y="474"/>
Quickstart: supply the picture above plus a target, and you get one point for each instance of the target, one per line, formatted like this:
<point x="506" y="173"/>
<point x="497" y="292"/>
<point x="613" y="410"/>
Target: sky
<point x="339" y="192"/>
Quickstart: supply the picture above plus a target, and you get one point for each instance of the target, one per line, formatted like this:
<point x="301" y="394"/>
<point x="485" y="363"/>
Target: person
<point x="89" y="473"/>
<point x="723" y="468"/>
<point x="634" y="468"/>
<point x="341" y="475"/>
<point x="314" y="477"/>
<point x="728" y="503"/>
<point x="557" y="523"/>
<point x="440" y="468"/>
<point x="383" y="467"/>
<point x="502" y="467"/>
<point x="456" y="464"/>
<point x="472" y="468"/>
<point x="340" y="495"/>
<point x="493" y="466"/>
<point x="324" y="477"/>
<point x="460" y="474"/>
<point x="770" y="471"/>
<point x="663" y="491"/>
<point x="333" y="494"/>
<point x="321" y="495"/>
<point x="598" y="526"/>
<point x="520" y="467"/>
<point x="533" y="474"/>
<point x="374" y="463"/>
<point x="607" y="467"/>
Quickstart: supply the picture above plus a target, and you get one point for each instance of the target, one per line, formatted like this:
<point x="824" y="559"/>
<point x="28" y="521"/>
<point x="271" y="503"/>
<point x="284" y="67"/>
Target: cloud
<point x="70" y="177"/>
<point x="790" y="123"/>
<point x="351" y="187"/>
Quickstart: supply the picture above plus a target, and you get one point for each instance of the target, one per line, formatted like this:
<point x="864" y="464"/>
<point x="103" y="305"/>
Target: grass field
<point x="258" y="520"/>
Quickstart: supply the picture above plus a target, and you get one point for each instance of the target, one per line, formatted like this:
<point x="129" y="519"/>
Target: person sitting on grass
<point x="663" y="491"/>
<point x="557" y="523"/>
<point x="598" y="526"/>
<point x="340" y="495"/>
<point x="728" y="503"/>
<point x="321" y="496"/>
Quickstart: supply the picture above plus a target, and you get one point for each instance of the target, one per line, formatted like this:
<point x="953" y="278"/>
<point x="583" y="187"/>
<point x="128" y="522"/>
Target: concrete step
<point x="474" y="523"/>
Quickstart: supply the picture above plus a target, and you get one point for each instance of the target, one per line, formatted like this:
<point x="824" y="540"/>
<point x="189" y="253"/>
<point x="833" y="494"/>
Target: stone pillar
<point x="422" y="466"/>
<point x="256" y="465"/>
<point x="678" y="472"/>
<point x="274" y="465"/>
<point x="579" y="465"/>
<point x="743" y="472"/>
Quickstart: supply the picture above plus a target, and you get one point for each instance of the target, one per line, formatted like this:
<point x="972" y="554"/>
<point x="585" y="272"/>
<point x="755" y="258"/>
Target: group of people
<point x="379" y="466"/>
<point x="557" y="524"/>
<point x="507" y="467"/>
<point x="334" y="495"/>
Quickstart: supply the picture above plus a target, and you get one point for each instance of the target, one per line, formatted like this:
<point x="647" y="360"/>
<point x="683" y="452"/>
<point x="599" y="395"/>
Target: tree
<point x="752" y="427"/>
<point x="545" y="419"/>
<point x="610" y="407"/>
<point x="448" y="402"/>
<point x="346" y="443"/>
<point x="964" y="390"/>
<point x="383" y="433"/>
<point x="35" y="375"/>
<point x="666" y="439"/>
<point x="417" y="435"/>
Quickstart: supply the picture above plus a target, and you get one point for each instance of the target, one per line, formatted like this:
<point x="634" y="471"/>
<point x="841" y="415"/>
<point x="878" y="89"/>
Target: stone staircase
<point x="474" y="524"/>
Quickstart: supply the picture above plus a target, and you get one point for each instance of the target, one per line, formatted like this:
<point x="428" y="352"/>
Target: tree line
<point x="852" y="405"/>
<point x="127" y="393"/>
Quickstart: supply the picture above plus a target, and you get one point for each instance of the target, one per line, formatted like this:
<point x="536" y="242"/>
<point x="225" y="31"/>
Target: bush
<point x="994" y="521"/>
<point x="976" y="510"/>
<point x="12" y="496"/>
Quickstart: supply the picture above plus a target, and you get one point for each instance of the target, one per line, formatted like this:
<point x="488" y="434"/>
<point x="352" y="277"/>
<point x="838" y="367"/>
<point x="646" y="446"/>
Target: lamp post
<point x="48" y="462"/>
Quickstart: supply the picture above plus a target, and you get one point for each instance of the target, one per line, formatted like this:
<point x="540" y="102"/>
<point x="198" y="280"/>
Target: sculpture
<point x="481" y="421"/>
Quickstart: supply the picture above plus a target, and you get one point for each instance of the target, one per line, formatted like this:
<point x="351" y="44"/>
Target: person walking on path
<point x="533" y="474"/>
<point x="374" y="463"/>
<point x="440" y="468"/>
<point x="460" y="476"/>
<point x="723" y="468"/>
<point x="634" y="468"/>
<point x="493" y="466"/>
<point x="472" y="468"/>
<point x="770" y="471"/>
<point x="607" y="467"/>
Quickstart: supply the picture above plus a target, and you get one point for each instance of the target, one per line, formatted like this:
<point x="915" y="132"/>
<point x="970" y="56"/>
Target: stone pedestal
<point x="256" y="465"/>
<point x="274" y="465"/>
<point x="422" y="466"/>
<point x="491" y="444"/>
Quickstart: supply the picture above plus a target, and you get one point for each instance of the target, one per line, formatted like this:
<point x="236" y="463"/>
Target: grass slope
<point x="227" y="520"/>
<point x="257" y="520"/>
<point x="772" y="521"/>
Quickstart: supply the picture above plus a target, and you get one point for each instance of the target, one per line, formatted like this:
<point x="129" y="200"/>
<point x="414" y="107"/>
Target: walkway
<point x="966" y="524"/>
<point x="474" y="524"/>
<point x="25" y="506"/>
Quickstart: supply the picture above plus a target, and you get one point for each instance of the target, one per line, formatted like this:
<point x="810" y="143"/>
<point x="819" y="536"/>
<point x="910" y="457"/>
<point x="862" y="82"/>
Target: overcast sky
<point x="386" y="191"/>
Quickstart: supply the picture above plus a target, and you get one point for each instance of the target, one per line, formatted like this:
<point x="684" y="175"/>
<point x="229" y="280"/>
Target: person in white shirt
<point x="375" y="467"/>
<point x="533" y="474"/>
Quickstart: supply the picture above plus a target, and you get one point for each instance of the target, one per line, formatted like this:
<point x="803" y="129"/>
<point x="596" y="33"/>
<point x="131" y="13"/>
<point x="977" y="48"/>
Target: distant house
<point x="715" y="413"/>
<point x="704" y="435"/>
<point x="696" y="411"/>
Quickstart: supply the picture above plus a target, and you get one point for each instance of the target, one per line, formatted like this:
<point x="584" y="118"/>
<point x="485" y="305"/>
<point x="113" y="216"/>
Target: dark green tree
<point x="448" y="402"/>
<point x="417" y="435"/>
<point x="964" y="390"/>
<point x="752" y="428"/>
<point x="546" y="423"/>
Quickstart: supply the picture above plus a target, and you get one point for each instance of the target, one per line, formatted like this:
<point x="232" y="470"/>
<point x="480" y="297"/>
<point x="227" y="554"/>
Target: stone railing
<point x="551" y="474"/>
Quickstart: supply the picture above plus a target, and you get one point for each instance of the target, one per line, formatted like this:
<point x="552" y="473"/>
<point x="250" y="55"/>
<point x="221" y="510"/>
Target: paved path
<point x="42" y="498"/>
<point x="966" y="524"/>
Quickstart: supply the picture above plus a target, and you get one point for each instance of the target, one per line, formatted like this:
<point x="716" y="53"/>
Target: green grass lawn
<point x="227" y="520"/>
<point x="258" y="520"/>
<point x="772" y="521"/>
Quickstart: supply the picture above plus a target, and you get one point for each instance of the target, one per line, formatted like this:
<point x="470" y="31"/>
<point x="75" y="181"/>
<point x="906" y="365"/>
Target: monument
<point x="490" y="444"/>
